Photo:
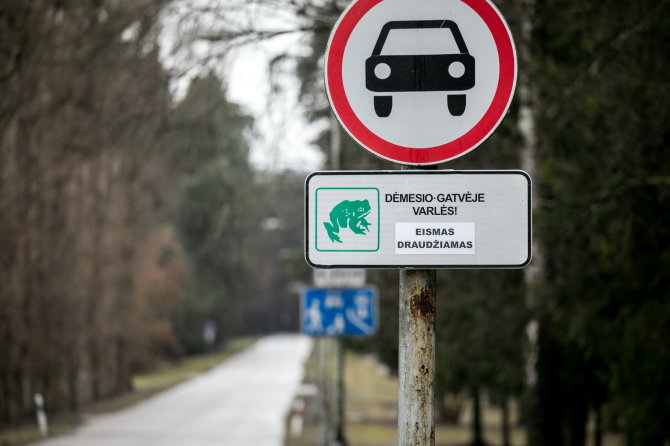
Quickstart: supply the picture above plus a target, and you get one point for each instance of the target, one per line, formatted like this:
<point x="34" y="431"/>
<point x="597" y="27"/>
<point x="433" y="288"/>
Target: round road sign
<point x="420" y="82"/>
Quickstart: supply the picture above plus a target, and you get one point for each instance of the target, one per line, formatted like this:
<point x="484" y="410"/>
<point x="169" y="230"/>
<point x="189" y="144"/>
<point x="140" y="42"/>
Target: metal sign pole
<point x="332" y="314"/>
<point x="416" y="356"/>
<point x="340" y="420"/>
<point x="323" y="394"/>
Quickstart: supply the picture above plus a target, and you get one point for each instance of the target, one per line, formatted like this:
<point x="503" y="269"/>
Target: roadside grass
<point x="311" y="432"/>
<point x="372" y="394"/>
<point x="167" y="375"/>
<point x="372" y="412"/>
<point x="25" y="434"/>
<point x="145" y="385"/>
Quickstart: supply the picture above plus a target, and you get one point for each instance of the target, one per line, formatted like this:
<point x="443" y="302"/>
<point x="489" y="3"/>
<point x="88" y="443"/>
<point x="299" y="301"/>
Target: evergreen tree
<point x="214" y="209"/>
<point x="603" y="81"/>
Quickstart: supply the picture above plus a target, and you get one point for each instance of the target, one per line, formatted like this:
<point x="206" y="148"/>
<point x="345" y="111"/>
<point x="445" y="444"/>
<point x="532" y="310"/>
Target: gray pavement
<point x="239" y="403"/>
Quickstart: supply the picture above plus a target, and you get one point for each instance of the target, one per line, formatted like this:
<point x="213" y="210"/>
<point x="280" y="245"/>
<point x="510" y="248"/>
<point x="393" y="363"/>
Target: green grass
<point x="167" y="375"/>
<point x="370" y="395"/>
<point x="28" y="433"/>
<point x="372" y="402"/>
<point x="145" y="385"/>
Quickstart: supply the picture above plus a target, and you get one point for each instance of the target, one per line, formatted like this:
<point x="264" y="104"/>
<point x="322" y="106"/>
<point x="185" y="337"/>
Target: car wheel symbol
<point x="383" y="105"/>
<point x="456" y="104"/>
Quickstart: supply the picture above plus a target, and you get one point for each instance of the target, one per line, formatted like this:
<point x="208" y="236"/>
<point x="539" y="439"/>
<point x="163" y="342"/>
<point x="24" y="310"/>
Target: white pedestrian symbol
<point x="338" y="325"/>
<point x="314" y="317"/>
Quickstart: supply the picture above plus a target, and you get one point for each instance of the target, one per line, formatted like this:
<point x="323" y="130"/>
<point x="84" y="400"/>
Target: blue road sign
<point x="339" y="312"/>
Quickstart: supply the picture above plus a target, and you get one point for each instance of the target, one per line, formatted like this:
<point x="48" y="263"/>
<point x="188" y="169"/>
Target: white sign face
<point x="432" y="219"/>
<point x="420" y="82"/>
<point x="339" y="278"/>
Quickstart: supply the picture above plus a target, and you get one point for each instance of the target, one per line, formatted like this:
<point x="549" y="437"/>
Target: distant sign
<point x="420" y="82"/>
<point x="339" y="312"/>
<point x="398" y="219"/>
<point x="339" y="278"/>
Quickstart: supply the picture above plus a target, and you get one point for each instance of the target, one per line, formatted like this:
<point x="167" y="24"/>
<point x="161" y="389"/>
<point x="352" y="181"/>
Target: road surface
<point x="239" y="403"/>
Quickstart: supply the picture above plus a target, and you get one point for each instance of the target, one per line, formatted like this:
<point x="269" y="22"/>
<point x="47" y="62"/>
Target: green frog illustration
<point x="348" y="214"/>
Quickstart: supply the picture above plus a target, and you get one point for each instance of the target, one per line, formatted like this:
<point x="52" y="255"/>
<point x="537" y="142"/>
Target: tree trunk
<point x="582" y="385"/>
<point x="598" y="428"/>
<point x="539" y="404"/>
<point x="545" y="410"/>
<point x="506" y="434"/>
<point x="477" y="433"/>
<point x="578" y="419"/>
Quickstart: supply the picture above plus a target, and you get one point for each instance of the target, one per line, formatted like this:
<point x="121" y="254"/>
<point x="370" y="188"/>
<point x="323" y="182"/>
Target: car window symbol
<point x="449" y="71"/>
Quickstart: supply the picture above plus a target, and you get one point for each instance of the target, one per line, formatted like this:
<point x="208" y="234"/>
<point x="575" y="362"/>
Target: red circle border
<point x="430" y="155"/>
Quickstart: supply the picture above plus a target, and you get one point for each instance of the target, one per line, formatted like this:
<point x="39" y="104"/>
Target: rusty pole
<point x="416" y="358"/>
<point x="416" y="355"/>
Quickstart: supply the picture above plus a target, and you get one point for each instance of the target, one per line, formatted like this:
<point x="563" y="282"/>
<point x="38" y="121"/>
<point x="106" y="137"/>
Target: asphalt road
<point x="239" y="403"/>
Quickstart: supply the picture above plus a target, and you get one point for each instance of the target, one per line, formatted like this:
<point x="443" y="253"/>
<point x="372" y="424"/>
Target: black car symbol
<point x="392" y="73"/>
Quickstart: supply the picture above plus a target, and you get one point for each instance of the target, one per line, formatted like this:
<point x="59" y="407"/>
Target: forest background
<point x="129" y="218"/>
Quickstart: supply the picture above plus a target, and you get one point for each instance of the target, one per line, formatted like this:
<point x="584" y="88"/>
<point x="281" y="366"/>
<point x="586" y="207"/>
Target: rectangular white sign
<point x="339" y="278"/>
<point x="435" y="238"/>
<point x="415" y="219"/>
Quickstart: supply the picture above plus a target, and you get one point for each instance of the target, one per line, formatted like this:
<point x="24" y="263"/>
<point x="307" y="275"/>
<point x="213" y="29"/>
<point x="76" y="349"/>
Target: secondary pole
<point x="340" y="413"/>
<point x="324" y="394"/>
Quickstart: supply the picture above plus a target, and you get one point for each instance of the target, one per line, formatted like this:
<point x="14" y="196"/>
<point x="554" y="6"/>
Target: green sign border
<point x="316" y="219"/>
